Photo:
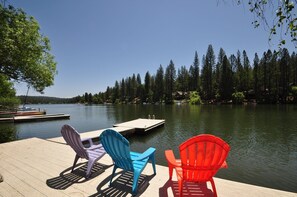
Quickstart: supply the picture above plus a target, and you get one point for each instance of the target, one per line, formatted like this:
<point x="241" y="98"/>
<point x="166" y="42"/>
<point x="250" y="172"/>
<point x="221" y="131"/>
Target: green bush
<point x="195" y="98"/>
<point x="237" y="97"/>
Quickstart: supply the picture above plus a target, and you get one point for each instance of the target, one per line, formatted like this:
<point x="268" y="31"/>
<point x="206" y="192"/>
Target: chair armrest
<point x="89" y="140"/>
<point x="145" y="154"/>
<point x="171" y="158"/>
<point x="98" y="146"/>
<point x="224" y="165"/>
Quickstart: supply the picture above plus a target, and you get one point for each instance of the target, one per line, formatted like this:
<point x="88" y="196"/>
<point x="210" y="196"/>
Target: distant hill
<point x="45" y="100"/>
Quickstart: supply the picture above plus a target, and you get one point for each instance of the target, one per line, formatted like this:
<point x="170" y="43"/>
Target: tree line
<point x="44" y="100"/>
<point x="224" y="79"/>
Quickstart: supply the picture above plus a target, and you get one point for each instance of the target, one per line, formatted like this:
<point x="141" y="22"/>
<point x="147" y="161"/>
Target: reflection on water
<point x="263" y="138"/>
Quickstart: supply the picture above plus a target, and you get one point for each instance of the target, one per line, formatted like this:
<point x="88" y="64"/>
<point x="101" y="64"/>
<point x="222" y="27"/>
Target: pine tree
<point x="194" y="79"/>
<point x="159" y="84"/>
<point x="170" y="75"/>
<point x="256" y="76"/>
<point x="147" y="86"/>
<point x="207" y="74"/>
<point x="293" y="68"/>
<point x="239" y="81"/>
<point x="269" y="70"/>
<point x="123" y="90"/>
<point x="116" y="91"/>
<point x="90" y="98"/>
<point x="226" y="84"/>
<point x="218" y="72"/>
<point x="284" y="73"/>
<point x="107" y="95"/>
<point x="232" y="60"/>
<point x="139" y="91"/>
<point x="86" y="97"/>
<point x="247" y="75"/>
<point x="133" y="86"/>
<point x="274" y="78"/>
<point x="183" y="79"/>
<point x="128" y="89"/>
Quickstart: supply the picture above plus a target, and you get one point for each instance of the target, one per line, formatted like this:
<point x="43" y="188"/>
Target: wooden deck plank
<point x="12" y="166"/>
<point x="20" y="186"/>
<point x="7" y="191"/>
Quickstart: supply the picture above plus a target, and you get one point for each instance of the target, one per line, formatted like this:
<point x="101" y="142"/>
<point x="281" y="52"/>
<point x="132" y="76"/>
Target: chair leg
<point x="113" y="172"/>
<point x="152" y="158"/>
<point x="180" y="187"/>
<point x="135" y="182"/>
<point x="213" y="187"/>
<point x="75" y="161"/>
<point x="90" y="166"/>
<point x="170" y="167"/>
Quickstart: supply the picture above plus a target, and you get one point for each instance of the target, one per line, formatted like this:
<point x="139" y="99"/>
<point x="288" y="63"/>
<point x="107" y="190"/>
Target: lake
<point x="263" y="138"/>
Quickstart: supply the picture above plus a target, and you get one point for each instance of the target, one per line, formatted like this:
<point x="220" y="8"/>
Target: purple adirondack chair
<point x="92" y="154"/>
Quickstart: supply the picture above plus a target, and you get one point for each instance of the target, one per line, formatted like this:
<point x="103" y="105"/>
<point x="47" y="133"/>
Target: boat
<point x="24" y="108"/>
<point x="28" y="111"/>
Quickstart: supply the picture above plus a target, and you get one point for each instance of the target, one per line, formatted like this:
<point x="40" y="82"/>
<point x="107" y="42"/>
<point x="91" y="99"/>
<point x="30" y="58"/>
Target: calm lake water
<point x="263" y="138"/>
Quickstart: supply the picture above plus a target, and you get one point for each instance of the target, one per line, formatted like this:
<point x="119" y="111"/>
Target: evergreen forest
<point x="270" y="78"/>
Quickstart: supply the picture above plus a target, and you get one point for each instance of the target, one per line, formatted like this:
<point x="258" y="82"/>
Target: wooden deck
<point x="37" y="167"/>
<point x="32" y="118"/>
<point x="41" y="117"/>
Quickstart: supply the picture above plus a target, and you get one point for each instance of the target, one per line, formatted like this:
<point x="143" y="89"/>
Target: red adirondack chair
<point x="201" y="157"/>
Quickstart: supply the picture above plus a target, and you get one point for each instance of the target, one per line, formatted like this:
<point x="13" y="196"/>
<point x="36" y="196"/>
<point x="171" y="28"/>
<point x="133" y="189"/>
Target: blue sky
<point x="97" y="42"/>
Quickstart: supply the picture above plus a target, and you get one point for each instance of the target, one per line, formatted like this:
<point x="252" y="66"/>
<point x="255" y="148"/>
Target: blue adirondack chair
<point x="118" y="148"/>
<point x="92" y="154"/>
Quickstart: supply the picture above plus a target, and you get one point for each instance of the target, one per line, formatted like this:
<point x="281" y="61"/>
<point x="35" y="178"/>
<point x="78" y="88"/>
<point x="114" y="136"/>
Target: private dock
<point x="18" y="119"/>
<point x="38" y="167"/>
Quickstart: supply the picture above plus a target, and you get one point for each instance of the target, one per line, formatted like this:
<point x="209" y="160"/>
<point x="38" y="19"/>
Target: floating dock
<point x="18" y="119"/>
<point x="142" y="125"/>
<point x="125" y="128"/>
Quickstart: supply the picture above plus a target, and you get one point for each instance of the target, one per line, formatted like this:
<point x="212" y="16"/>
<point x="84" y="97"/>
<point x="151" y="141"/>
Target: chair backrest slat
<point x="72" y="137"/>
